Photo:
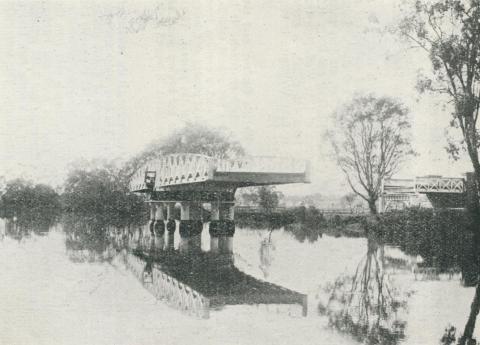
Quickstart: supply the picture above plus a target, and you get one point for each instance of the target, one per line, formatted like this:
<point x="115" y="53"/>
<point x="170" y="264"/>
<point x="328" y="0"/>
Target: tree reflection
<point x="367" y="305"/>
<point x="302" y="232"/>
<point x="266" y="257"/>
<point x="86" y="242"/>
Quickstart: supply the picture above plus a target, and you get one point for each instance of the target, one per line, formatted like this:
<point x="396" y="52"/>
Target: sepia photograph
<point x="239" y="172"/>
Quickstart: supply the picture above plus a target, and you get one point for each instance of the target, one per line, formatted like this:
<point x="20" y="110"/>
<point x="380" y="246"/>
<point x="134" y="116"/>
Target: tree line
<point x="29" y="205"/>
<point x="95" y="195"/>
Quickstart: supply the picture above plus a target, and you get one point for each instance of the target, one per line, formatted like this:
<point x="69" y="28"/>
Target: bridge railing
<point x="439" y="185"/>
<point x="182" y="168"/>
<point x="175" y="169"/>
<point x="261" y="165"/>
<point x="424" y="184"/>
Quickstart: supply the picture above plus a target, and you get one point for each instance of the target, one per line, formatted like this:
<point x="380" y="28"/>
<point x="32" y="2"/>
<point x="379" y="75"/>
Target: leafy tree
<point x="100" y="198"/>
<point x="370" y="140"/>
<point x="449" y="33"/>
<point x="248" y="196"/>
<point x="97" y="192"/>
<point x="192" y="138"/>
<point x="268" y="198"/>
<point x="34" y="206"/>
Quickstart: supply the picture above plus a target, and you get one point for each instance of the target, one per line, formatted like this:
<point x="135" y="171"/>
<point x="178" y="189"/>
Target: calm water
<point x="48" y="299"/>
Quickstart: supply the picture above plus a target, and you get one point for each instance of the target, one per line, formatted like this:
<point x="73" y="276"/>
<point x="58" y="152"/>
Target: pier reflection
<point x="181" y="273"/>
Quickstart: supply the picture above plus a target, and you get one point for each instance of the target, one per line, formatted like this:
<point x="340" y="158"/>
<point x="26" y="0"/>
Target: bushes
<point x="441" y="237"/>
<point x="100" y="198"/>
<point x="263" y="220"/>
<point x="304" y="223"/>
<point x="34" y="206"/>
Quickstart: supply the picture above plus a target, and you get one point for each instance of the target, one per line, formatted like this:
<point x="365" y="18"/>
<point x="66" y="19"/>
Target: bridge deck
<point x="183" y="171"/>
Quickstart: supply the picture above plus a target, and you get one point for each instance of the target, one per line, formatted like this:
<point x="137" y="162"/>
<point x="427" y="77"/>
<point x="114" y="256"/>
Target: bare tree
<point x="366" y="304"/>
<point x="370" y="141"/>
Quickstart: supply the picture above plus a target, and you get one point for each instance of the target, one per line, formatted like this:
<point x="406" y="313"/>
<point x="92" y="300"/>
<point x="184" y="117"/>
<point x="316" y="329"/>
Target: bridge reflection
<point x="185" y="276"/>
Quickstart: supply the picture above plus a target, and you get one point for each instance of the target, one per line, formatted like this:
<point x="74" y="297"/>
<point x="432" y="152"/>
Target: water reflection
<point x="266" y="254"/>
<point x="19" y="232"/>
<point x="302" y="232"/>
<point x="352" y="306"/>
<point x="367" y="304"/>
<point x="160" y="260"/>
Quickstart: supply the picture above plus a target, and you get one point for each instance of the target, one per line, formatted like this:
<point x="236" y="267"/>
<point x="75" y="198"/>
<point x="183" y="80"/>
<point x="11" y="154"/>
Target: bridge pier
<point x="151" y="222"/>
<point x="196" y="227"/>
<point x="159" y="224"/>
<point x="184" y="227"/>
<point x="159" y="227"/>
<point x="139" y="236"/>
<point x="214" y="218"/>
<point x="228" y="228"/>
<point x="190" y="227"/>
<point x="171" y="225"/>
<point x="222" y="227"/>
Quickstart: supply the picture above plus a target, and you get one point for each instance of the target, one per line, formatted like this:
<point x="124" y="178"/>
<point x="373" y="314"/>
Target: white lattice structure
<point x="400" y="193"/>
<point x="439" y="185"/>
<point x="169" y="289"/>
<point x="185" y="169"/>
<point x="424" y="184"/>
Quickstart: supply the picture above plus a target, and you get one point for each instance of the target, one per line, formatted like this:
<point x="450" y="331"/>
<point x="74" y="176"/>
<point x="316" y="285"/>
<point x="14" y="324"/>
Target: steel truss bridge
<point x="442" y="192"/>
<point x="193" y="180"/>
<point x="194" y="172"/>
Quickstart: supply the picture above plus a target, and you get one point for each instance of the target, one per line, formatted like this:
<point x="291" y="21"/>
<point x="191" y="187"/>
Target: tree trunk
<point x="373" y="207"/>
<point x="474" y="212"/>
<point x="470" y="326"/>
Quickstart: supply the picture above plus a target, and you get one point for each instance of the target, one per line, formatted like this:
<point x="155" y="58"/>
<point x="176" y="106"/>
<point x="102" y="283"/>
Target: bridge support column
<point x="196" y="227"/>
<point x="222" y="227"/>
<point x="171" y="225"/>
<point x="184" y="226"/>
<point x="151" y="222"/>
<point x="159" y="227"/>
<point x="190" y="227"/>
<point x="139" y="237"/>
<point x="159" y="224"/>
<point x="213" y="226"/>
<point x="225" y="227"/>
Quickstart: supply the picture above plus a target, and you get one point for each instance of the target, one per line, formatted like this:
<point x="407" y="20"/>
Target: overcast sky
<point x="85" y="79"/>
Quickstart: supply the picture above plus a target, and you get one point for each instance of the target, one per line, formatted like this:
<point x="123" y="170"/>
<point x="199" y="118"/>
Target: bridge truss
<point x="443" y="192"/>
<point x="190" y="173"/>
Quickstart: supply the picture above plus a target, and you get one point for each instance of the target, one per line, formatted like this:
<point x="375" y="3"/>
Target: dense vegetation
<point x="441" y="237"/>
<point x="304" y="223"/>
<point x="101" y="198"/>
<point x="31" y="206"/>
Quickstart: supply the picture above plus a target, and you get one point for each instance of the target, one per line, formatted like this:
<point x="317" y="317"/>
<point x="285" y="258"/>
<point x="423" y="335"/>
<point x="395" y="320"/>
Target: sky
<point x="89" y="80"/>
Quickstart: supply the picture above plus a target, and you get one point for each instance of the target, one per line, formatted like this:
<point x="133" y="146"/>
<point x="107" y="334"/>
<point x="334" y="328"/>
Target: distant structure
<point x="441" y="192"/>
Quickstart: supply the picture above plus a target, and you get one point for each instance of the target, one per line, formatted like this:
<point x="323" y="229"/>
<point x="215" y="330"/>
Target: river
<point x="45" y="298"/>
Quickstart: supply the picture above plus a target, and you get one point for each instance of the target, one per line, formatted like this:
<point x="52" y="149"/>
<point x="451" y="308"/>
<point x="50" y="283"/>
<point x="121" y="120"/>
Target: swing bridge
<point x="168" y="255"/>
